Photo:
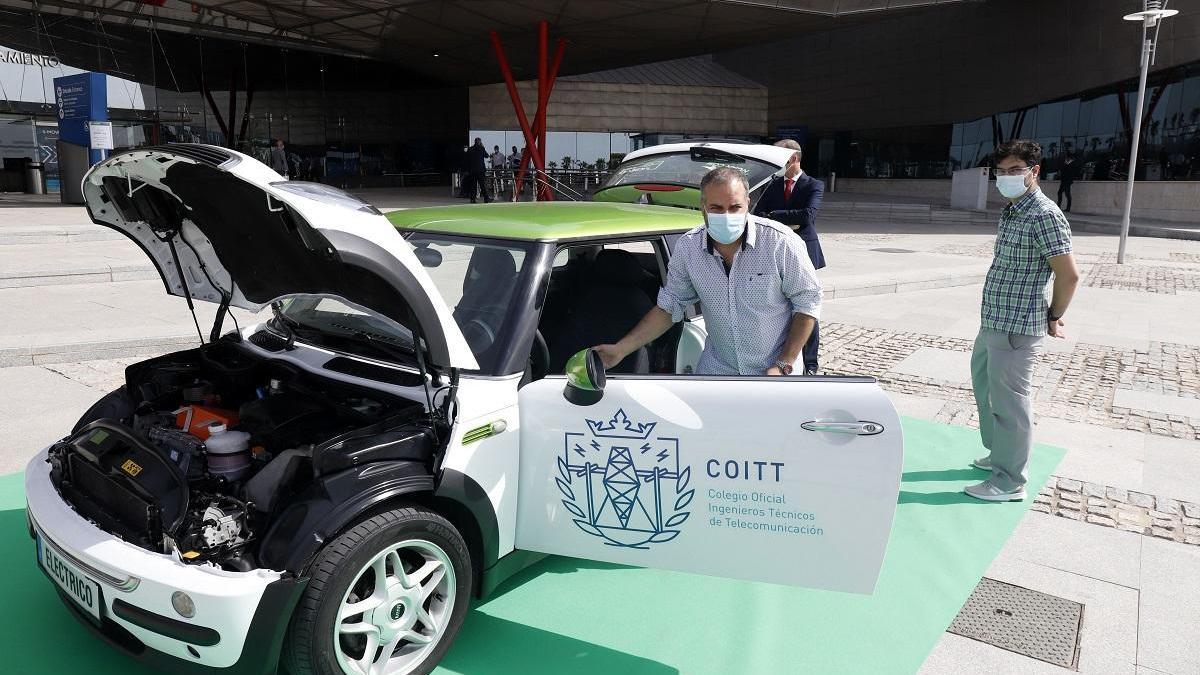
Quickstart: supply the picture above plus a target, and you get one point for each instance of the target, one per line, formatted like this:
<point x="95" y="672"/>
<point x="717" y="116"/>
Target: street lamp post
<point x="1153" y="11"/>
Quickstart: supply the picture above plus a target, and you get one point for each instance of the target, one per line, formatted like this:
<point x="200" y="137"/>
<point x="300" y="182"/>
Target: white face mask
<point x="1011" y="186"/>
<point x="725" y="228"/>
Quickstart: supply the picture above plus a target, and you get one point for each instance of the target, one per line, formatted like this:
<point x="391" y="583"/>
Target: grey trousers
<point x="1001" y="372"/>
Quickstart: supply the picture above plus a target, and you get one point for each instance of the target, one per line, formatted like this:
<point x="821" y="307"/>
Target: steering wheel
<point x="539" y="360"/>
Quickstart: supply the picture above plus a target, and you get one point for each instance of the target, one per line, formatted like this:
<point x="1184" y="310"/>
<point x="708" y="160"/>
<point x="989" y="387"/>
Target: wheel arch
<point x="307" y="525"/>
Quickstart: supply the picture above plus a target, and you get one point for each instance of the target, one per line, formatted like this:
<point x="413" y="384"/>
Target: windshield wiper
<point x="389" y="348"/>
<point x="291" y="327"/>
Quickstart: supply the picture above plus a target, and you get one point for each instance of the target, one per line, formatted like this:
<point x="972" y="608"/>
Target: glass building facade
<point x="1096" y="126"/>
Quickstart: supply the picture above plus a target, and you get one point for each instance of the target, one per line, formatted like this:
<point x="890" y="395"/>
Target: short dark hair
<point x="1023" y="149"/>
<point x="725" y="175"/>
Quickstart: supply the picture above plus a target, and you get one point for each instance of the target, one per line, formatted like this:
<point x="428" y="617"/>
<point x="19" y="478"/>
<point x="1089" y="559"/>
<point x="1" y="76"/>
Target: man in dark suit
<point x="477" y="157"/>
<point x="1066" y="178"/>
<point x="794" y="200"/>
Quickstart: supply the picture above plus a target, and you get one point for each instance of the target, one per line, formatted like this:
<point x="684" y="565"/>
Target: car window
<point x="479" y="281"/>
<point x="595" y="296"/>
<point x="680" y="169"/>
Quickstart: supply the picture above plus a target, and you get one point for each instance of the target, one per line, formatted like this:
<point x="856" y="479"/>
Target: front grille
<point x="112" y="506"/>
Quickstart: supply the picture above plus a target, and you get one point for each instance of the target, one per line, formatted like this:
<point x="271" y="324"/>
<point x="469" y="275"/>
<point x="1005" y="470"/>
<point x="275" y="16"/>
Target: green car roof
<point x="547" y="221"/>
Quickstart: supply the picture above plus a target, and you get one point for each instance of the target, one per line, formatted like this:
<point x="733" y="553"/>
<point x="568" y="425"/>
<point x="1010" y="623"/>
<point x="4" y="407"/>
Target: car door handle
<point x="857" y="428"/>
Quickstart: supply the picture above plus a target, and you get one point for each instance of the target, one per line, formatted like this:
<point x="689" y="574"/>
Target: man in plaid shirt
<point x="1033" y="241"/>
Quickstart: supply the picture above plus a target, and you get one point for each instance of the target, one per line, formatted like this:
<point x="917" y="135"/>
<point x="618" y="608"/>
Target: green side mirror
<point x="585" y="378"/>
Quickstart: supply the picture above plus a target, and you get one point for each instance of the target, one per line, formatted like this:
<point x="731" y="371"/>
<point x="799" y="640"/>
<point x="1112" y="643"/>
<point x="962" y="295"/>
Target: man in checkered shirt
<point x="1033" y="241"/>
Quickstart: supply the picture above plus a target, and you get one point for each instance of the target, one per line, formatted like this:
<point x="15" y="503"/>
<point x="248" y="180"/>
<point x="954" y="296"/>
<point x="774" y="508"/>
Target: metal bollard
<point x="833" y="181"/>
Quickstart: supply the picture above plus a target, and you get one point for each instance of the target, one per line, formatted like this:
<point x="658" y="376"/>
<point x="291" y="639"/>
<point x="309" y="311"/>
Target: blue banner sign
<point x="81" y="99"/>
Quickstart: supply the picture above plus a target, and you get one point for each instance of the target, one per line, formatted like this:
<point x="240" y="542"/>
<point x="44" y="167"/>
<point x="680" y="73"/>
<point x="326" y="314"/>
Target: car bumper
<point x="240" y="617"/>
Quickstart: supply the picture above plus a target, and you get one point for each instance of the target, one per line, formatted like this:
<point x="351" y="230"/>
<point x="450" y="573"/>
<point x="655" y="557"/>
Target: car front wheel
<point x="385" y="598"/>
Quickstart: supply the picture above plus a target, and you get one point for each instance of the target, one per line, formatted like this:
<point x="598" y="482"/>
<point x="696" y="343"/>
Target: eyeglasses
<point x="1015" y="171"/>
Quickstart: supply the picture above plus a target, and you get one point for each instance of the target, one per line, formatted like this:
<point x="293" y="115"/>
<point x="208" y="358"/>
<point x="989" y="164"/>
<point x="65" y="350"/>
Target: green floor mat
<point x="567" y="617"/>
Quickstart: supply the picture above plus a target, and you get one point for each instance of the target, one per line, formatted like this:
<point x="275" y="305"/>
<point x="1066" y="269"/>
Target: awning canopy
<point x="405" y="43"/>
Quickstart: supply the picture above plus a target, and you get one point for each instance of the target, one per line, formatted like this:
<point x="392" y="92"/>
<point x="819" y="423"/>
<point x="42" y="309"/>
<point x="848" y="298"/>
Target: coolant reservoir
<point x="228" y="451"/>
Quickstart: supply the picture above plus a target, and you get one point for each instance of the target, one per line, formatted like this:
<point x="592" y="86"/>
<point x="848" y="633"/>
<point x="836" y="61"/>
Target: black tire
<point x="309" y="649"/>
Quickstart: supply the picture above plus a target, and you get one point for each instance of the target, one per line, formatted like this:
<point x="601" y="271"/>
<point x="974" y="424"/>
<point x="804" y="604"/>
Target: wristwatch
<point x="784" y="367"/>
<point x="1050" y="318"/>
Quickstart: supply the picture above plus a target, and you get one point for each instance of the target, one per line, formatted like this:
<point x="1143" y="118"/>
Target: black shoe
<point x="474" y="202"/>
<point x="808" y="372"/>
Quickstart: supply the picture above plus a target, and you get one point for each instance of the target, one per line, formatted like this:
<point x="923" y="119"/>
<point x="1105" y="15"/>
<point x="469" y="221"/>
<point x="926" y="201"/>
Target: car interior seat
<point x="610" y="301"/>
<point x="487" y="293"/>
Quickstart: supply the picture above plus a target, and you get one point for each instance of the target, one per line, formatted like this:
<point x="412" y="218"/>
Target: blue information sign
<point x="81" y="99"/>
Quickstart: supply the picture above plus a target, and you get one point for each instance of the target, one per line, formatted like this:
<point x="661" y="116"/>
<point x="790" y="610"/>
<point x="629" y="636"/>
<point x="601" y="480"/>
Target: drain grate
<point x="1037" y="625"/>
<point x="894" y="250"/>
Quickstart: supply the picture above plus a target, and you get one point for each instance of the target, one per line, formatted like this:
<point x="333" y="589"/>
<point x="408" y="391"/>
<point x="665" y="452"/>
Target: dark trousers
<point x="477" y="179"/>
<point x="811" y="347"/>
<point x="1064" y="189"/>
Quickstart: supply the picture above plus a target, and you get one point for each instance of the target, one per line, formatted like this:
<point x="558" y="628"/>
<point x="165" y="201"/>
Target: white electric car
<point x="418" y="419"/>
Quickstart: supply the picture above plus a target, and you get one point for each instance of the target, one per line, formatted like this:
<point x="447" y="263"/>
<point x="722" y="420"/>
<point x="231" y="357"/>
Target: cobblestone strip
<point x="1077" y="386"/>
<point x="1142" y="278"/>
<point x="1176" y="256"/>
<point x="1127" y="510"/>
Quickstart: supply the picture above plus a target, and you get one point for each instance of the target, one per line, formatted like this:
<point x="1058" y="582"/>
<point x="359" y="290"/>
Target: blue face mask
<point x="725" y="228"/>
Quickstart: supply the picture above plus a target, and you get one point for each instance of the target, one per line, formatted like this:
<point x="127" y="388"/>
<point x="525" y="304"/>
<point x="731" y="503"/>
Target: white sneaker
<point x="990" y="493"/>
<point x="984" y="463"/>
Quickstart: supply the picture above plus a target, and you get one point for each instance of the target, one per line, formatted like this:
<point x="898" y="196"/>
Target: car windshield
<point x="678" y="168"/>
<point x="480" y="282"/>
<point x="339" y="325"/>
<point x="325" y="193"/>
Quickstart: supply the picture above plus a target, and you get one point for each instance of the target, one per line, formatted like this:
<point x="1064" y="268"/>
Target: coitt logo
<point x="624" y="483"/>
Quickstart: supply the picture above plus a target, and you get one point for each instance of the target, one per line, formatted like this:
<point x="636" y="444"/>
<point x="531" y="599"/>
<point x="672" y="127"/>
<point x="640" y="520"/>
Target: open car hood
<point x="243" y="234"/>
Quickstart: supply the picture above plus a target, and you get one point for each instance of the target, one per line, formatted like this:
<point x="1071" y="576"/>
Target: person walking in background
<point x="794" y="198"/>
<point x="514" y="165"/>
<point x="1066" y="178"/>
<point x="753" y="279"/>
<point x="477" y="157"/>
<point x="498" y="158"/>
<point x="279" y="160"/>
<point x="1033" y="242"/>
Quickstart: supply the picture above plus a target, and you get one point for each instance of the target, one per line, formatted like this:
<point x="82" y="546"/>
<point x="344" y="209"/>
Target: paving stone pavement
<point x="1127" y="510"/>
<point x="1077" y="386"/>
<point x="1143" y="278"/>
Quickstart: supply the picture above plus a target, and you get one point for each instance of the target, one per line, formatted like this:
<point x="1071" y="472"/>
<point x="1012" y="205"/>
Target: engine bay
<point x="202" y="449"/>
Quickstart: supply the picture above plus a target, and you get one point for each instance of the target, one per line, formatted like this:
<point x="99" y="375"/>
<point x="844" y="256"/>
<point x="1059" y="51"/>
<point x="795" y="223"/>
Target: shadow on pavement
<point x="492" y="645"/>
<point x="943" y="475"/>
<point x="940" y="498"/>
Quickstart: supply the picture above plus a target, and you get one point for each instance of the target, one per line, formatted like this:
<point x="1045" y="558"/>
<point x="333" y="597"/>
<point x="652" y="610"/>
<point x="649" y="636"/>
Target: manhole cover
<point x="893" y="250"/>
<point x="1038" y="625"/>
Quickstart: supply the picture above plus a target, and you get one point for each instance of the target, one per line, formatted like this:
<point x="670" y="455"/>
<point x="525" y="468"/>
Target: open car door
<point x="784" y="480"/>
